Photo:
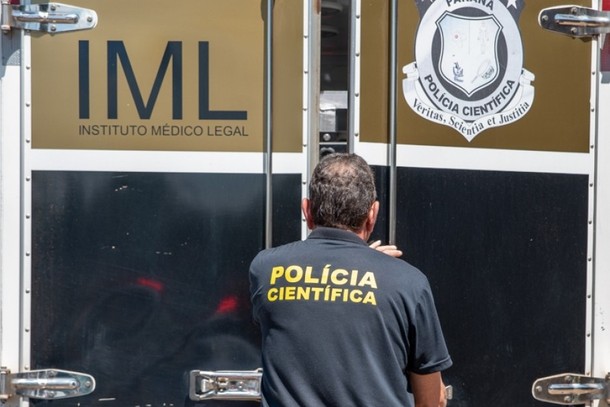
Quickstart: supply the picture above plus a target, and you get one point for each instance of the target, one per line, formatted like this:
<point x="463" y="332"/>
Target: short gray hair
<point x="341" y="192"/>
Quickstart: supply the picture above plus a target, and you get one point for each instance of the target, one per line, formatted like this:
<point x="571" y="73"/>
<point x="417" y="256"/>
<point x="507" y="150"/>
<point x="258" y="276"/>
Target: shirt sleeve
<point x="255" y="288"/>
<point x="427" y="349"/>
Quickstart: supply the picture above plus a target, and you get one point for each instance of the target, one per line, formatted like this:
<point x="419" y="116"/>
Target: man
<point x="343" y="324"/>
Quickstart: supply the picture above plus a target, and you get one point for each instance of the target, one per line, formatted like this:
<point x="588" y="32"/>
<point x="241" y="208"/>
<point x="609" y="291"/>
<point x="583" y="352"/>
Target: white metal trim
<point x="479" y="159"/>
<point x="310" y="98"/>
<point x="373" y="153"/>
<point x="591" y="259"/>
<point x="146" y="161"/>
<point x="10" y="217"/>
<point x="284" y="163"/>
<point x="354" y="92"/>
<point x="162" y="161"/>
<point x="305" y="103"/>
<point x="601" y="228"/>
<point x="26" y="202"/>
<point x="357" y="77"/>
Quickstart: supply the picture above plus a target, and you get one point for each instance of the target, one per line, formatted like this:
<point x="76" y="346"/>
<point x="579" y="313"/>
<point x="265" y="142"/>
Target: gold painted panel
<point x="558" y="119"/>
<point x="287" y="99"/>
<point x="374" y="68"/>
<point x="153" y="76"/>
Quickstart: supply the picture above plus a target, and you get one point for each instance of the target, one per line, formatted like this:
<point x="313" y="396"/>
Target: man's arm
<point x="426" y="389"/>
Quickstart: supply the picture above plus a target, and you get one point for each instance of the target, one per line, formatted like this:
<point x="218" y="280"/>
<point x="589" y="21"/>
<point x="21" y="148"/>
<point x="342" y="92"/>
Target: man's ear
<point x="306" y="208"/>
<point x="372" y="217"/>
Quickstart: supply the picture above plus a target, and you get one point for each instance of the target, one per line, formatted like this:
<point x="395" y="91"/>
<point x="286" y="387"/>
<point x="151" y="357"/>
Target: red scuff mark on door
<point x="155" y="285"/>
<point x="227" y="305"/>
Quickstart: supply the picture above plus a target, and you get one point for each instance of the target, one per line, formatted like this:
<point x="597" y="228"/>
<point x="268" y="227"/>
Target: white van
<point x="149" y="150"/>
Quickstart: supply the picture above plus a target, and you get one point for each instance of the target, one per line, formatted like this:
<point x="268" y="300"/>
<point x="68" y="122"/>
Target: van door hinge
<point x="576" y="21"/>
<point x="570" y="389"/>
<point x="49" y="18"/>
<point x="226" y="385"/>
<point x="48" y="384"/>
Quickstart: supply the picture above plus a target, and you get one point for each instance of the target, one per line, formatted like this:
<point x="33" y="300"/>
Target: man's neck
<point x="362" y="233"/>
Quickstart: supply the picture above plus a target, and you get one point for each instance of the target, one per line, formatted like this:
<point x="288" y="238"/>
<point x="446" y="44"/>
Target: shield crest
<point x="468" y="55"/>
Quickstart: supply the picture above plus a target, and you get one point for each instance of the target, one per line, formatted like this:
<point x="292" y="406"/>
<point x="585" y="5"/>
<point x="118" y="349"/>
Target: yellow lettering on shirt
<point x="330" y="284"/>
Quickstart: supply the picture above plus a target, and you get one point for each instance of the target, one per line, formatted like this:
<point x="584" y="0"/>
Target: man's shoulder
<point x="393" y="262"/>
<point x="278" y="251"/>
<point x="397" y="270"/>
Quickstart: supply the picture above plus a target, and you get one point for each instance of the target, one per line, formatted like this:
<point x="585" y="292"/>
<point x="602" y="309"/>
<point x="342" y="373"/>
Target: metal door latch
<point x="49" y="18"/>
<point x="226" y="385"/>
<point x="449" y="392"/>
<point x="236" y="385"/>
<point x="46" y="384"/>
<point x="571" y="389"/>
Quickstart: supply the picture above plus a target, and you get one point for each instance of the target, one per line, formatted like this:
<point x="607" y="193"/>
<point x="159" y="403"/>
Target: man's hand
<point x="390" y="250"/>
<point x="443" y="400"/>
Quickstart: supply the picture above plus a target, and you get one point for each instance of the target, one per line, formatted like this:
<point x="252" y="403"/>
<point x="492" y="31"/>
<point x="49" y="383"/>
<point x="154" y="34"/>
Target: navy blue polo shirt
<point x="342" y="323"/>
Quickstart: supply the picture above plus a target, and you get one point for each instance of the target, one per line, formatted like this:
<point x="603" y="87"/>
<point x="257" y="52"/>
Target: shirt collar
<point x="335" y="234"/>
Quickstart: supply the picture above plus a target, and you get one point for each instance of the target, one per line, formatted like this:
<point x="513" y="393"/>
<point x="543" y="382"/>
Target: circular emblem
<point x="469" y="71"/>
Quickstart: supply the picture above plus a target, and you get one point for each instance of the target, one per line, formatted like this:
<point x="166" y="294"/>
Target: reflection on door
<point x="139" y="278"/>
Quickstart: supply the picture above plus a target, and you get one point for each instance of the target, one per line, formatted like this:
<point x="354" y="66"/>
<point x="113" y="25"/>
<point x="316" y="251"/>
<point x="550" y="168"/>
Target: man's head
<point x="342" y="195"/>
